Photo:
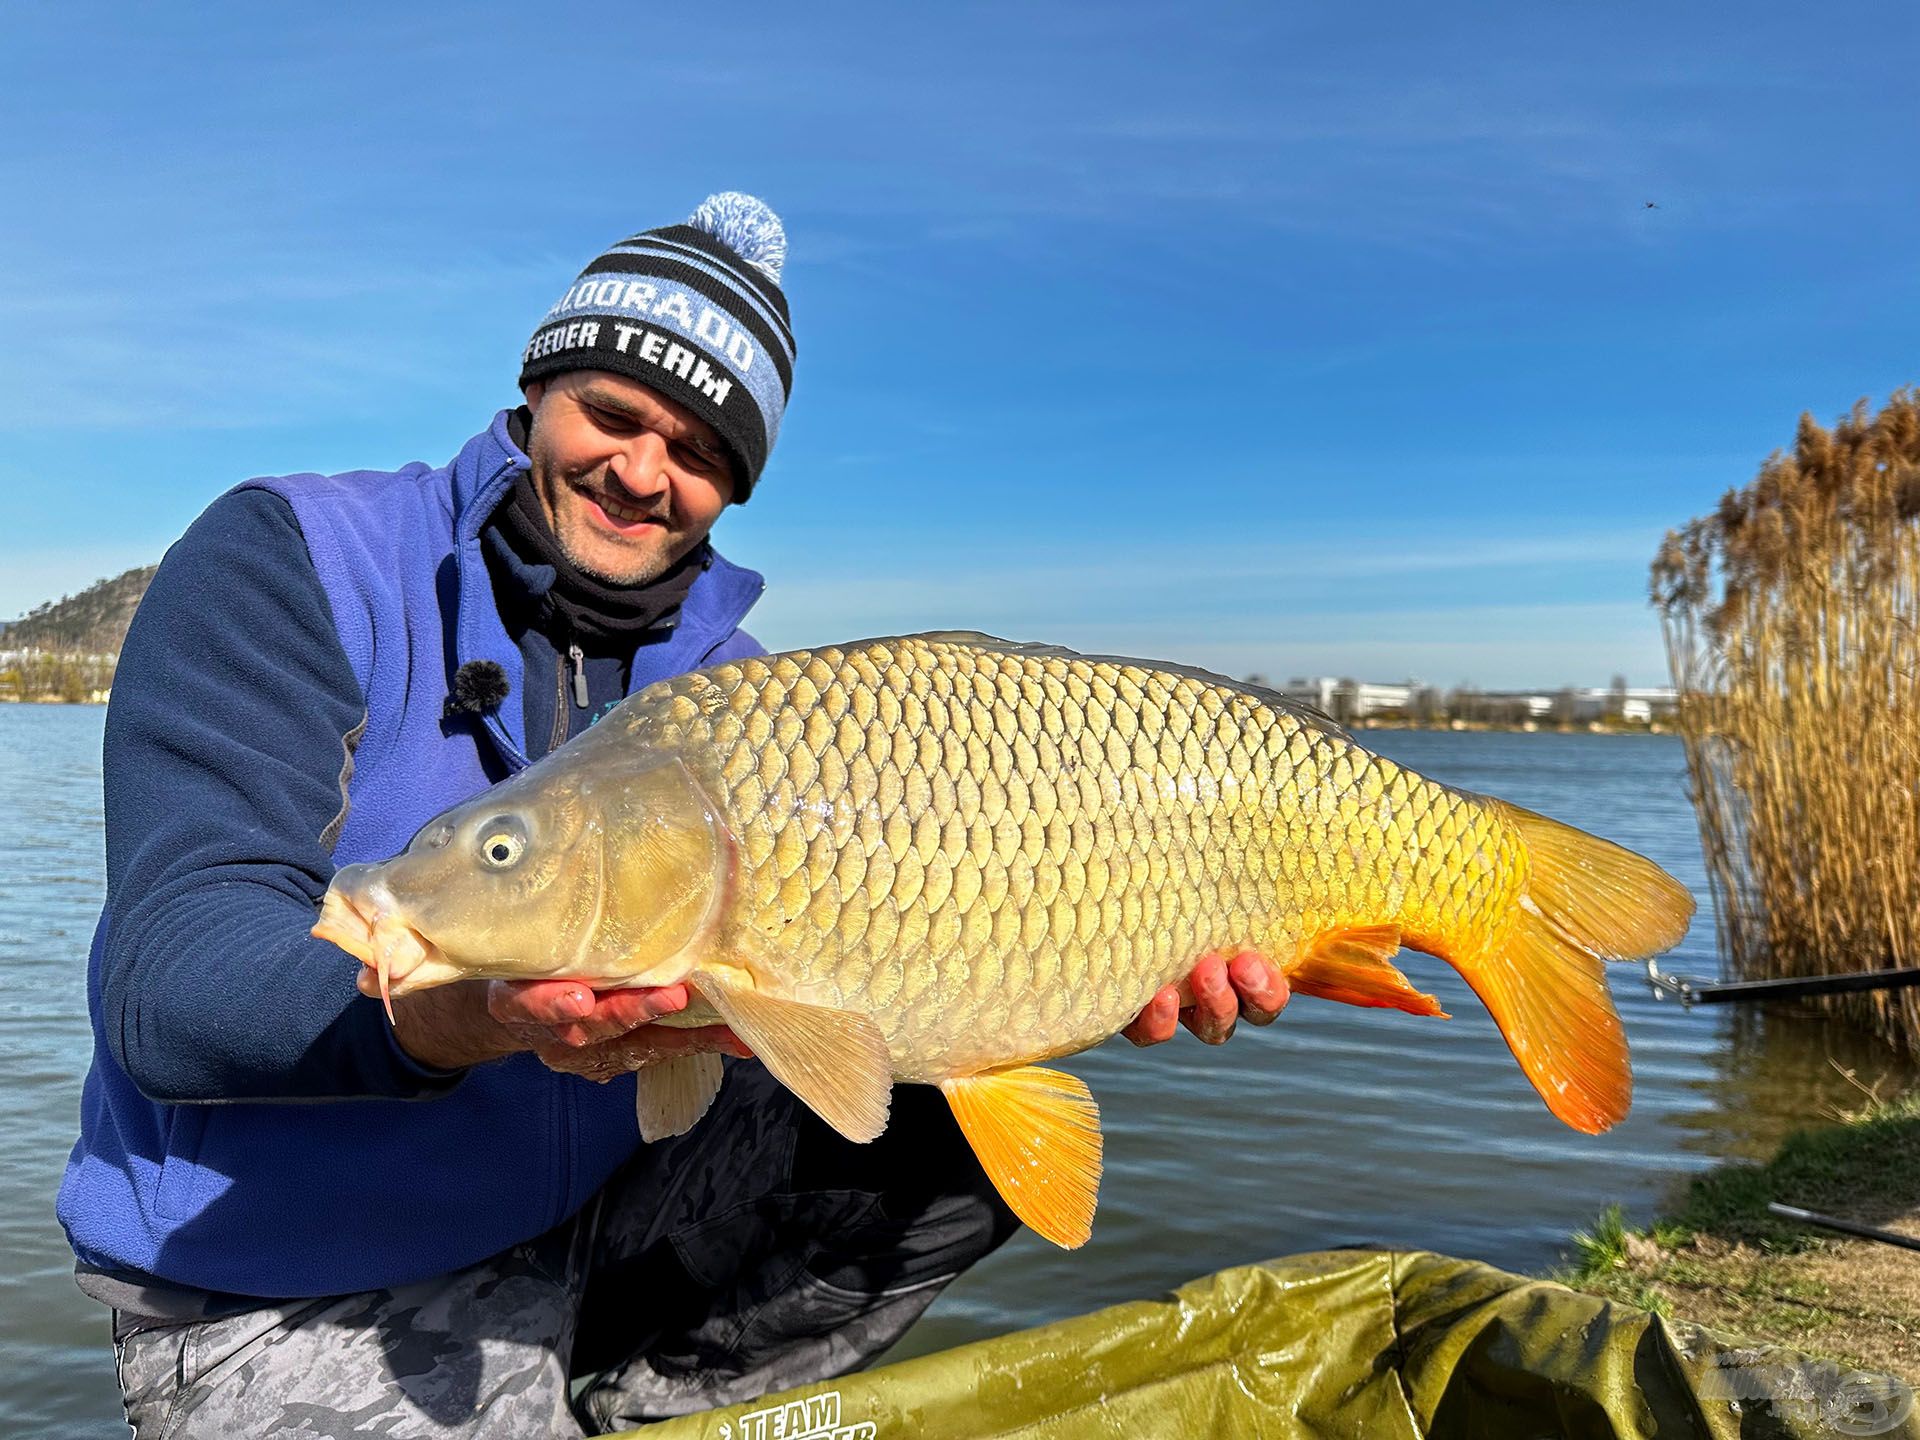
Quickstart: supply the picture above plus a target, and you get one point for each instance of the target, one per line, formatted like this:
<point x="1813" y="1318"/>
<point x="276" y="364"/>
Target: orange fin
<point x="1037" y="1135"/>
<point x="1354" y="965"/>
<point x="1549" y="998"/>
<point x="834" y="1060"/>
<point x="1587" y="901"/>
<point x="671" y="1096"/>
<point x="1601" y="896"/>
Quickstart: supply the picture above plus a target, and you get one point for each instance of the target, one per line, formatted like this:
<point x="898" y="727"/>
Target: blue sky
<point x="1299" y="339"/>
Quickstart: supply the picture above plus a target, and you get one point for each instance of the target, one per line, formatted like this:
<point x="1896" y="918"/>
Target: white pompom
<point x="747" y="227"/>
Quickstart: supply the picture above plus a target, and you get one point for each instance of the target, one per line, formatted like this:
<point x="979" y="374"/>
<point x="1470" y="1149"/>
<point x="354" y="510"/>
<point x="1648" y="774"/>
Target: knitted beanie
<point x="693" y="311"/>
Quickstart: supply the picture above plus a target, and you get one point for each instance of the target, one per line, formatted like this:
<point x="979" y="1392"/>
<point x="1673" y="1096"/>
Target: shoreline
<point x="1436" y="726"/>
<point x="1530" y="727"/>
<point x="1717" y="1258"/>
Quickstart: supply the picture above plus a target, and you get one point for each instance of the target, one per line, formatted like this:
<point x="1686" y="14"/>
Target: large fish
<point x="943" y="858"/>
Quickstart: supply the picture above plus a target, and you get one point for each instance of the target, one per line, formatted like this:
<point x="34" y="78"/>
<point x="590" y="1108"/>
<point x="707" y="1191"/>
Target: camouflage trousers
<point x="757" y="1252"/>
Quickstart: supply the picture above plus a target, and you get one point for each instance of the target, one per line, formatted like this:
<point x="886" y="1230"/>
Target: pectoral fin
<point x="1037" y="1135"/>
<point x="674" y="1094"/>
<point x="1354" y="965"/>
<point x="834" y="1060"/>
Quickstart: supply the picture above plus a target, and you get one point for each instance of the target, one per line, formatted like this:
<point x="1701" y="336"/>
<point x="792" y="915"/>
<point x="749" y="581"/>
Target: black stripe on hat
<point x="741" y="426"/>
<point x="658" y="267"/>
<point x="731" y="270"/>
<point x="714" y="249"/>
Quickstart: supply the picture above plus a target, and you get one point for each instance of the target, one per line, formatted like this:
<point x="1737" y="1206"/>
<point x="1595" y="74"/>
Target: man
<point x="478" y="1244"/>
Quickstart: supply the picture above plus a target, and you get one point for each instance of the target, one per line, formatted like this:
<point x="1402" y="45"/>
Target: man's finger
<point x="624" y="1009"/>
<point x="1262" y="989"/>
<point x="1158" y="1021"/>
<point x="588" y="1015"/>
<point x="616" y="1012"/>
<point x="1215" y="1005"/>
<point x="538" y="1002"/>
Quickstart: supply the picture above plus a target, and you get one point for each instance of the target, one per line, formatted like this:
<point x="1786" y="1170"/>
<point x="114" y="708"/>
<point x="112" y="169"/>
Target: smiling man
<point x="308" y="1221"/>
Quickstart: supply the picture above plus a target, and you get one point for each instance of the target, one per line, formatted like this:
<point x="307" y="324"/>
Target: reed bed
<point x="1792" y="623"/>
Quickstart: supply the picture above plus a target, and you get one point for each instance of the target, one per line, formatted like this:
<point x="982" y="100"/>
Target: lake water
<point x="1335" y="1126"/>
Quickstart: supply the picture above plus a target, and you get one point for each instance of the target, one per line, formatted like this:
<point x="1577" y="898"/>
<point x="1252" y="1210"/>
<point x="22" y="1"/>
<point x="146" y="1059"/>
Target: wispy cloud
<point x="1533" y="644"/>
<point x="1525" y="644"/>
<point x="1299" y="609"/>
<point x="274" y="339"/>
<point x="1178" y="572"/>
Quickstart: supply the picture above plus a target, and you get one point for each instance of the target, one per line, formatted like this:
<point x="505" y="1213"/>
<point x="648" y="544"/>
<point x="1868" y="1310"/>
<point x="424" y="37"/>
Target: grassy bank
<point x="1720" y="1260"/>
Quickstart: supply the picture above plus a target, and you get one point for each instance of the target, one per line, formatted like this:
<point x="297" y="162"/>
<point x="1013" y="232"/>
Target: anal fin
<point x="834" y="1060"/>
<point x="673" y="1094"/>
<point x="1354" y="965"/>
<point x="1036" y="1133"/>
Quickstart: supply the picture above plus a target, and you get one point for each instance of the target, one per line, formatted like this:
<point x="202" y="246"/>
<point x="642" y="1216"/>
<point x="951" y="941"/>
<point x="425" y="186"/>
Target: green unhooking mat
<point x="1358" y="1343"/>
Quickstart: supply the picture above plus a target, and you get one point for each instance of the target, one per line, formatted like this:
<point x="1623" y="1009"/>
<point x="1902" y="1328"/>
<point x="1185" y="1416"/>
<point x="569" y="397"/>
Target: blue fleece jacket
<point x="279" y="711"/>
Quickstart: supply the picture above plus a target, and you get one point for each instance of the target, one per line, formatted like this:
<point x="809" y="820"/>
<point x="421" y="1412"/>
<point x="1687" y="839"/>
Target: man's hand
<point x="570" y="1027"/>
<point x="601" y="1034"/>
<point x="1223" y="991"/>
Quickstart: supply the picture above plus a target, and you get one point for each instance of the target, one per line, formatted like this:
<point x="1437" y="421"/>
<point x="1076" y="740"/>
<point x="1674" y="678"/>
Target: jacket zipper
<point x="579" y="676"/>
<point x="557" y="736"/>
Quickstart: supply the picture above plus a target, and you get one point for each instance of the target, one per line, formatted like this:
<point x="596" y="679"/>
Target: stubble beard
<point x="567" y="519"/>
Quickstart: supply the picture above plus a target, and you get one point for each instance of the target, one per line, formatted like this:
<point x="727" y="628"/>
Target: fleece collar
<point x="482" y="474"/>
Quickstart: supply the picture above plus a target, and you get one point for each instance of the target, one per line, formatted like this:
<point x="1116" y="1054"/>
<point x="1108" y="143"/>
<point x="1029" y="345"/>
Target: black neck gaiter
<point x="562" y="600"/>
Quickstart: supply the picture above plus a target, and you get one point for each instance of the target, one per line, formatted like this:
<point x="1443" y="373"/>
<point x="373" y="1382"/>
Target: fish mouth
<point x="361" y="919"/>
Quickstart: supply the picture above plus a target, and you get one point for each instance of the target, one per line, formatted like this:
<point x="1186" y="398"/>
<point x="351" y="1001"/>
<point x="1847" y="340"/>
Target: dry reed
<point x="1792" y="623"/>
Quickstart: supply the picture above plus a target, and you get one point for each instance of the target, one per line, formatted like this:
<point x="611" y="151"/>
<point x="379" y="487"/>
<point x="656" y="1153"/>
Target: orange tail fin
<point x="1544" y="979"/>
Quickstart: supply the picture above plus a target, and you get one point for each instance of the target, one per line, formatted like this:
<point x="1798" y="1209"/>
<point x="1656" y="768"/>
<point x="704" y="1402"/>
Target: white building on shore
<point x="1348" y="700"/>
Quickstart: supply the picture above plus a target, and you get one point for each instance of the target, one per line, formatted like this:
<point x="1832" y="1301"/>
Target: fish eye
<point x="502" y="844"/>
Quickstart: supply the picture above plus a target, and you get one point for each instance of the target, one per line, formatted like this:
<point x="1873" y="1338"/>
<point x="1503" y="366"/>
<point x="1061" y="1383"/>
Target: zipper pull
<point x="579" y="662"/>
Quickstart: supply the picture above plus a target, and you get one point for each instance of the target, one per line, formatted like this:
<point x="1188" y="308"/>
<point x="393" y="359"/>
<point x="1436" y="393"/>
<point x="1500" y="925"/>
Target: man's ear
<point x="535" y="389"/>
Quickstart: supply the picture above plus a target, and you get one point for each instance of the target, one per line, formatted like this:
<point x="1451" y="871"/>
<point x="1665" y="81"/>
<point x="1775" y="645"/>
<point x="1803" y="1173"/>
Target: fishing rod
<point x="1845" y="1227"/>
<point x="1788" y="987"/>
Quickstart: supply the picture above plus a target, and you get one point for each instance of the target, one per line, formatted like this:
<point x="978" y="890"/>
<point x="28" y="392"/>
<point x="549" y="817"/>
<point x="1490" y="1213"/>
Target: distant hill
<point x="94" y="622"/>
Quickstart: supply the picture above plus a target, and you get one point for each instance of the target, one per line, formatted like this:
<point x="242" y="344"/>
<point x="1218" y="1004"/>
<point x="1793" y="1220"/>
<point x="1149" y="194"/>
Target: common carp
<point x="943" y="858"/>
